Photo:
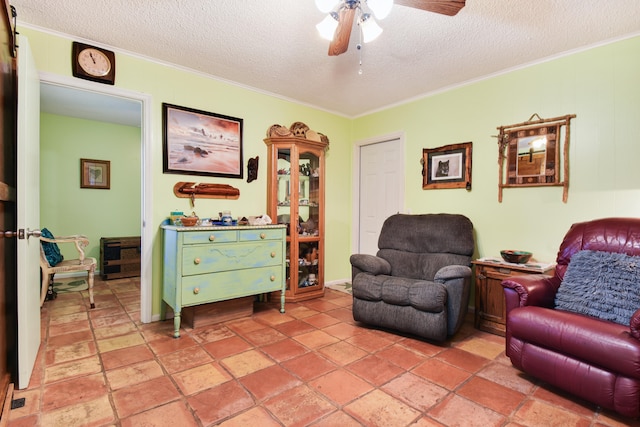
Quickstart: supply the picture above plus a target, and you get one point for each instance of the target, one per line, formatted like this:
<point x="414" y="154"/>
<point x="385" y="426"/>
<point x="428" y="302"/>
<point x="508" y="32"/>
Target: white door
<point x="28" y="195"/>
<point x="381" y="184"/>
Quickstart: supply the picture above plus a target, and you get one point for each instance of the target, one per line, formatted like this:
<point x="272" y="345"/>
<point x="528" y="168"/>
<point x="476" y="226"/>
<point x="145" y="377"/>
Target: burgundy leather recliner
<point x="594" y="359"/>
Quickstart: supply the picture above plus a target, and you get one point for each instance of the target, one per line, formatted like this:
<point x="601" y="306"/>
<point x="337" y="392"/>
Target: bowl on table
<point x="516" y="257"/>
<point x="189" y="221"/>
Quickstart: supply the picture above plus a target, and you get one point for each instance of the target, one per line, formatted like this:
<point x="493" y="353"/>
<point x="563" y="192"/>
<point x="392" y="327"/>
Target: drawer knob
<point x="212" y="238"/>
<point x="196" y="291"/>
<point x="272" y="278"/>
<point x="262" y="235"/>
<point x="196" y="261"/>
<point x="273" y="254"/>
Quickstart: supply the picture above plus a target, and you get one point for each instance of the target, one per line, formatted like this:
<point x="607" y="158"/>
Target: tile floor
<point x="312" y="366"/>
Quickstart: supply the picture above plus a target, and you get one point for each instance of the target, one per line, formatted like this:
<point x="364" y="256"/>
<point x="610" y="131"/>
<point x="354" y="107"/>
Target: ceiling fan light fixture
<point x="369" y="27"/>
<point x="380" y="8"/>
<point x="327" y="27"/>
<point x="325" y="6"/>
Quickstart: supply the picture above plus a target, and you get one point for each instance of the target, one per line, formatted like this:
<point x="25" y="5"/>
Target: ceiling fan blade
<point x="340" y="41"/>
<point x="444" y="7"/>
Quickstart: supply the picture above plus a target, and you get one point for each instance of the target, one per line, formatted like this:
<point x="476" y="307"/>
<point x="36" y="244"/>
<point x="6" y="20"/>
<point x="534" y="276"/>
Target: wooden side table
<point x="490" y="313"/>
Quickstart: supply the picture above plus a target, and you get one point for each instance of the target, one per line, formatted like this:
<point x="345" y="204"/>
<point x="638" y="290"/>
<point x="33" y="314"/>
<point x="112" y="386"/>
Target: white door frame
<point x="355" y="179"/>
<point x="146" y="284"/>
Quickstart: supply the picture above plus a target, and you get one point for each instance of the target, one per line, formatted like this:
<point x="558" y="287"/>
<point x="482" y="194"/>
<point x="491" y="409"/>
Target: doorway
<point x="378" y="183"/>
<point x="78" y="98"/>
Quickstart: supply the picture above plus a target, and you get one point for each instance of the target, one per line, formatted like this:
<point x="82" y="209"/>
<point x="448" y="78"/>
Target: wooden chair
<point x="83" y="263"/>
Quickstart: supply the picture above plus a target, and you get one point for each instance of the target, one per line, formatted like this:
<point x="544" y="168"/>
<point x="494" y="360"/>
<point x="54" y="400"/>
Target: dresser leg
<point x="282" y="302"/>
<point x="176" y="324"/>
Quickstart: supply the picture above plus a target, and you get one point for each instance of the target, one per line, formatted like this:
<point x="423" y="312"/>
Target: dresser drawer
<point x="261" y="234"/>
<point x="230" y="284"/>
<point x="202" y="259"/>
<point x="213" y="236"/>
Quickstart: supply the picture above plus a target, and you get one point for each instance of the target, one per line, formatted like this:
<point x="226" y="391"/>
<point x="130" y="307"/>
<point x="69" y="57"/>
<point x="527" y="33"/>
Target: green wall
<point x="174" y="85"/>
<point x="600" y="86"/>
<point x="67" y="209"/>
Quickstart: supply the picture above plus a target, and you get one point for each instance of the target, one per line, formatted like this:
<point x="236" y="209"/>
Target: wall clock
<point x="93" y="63"/>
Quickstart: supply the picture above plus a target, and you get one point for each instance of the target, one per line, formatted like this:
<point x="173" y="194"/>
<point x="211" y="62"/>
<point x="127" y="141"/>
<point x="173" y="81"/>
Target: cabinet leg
<point x="176" y="325"/>
<point x="282" y="302"/>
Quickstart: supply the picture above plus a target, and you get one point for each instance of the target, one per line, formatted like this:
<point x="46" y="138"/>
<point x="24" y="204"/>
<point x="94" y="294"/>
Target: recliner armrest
<point x="370" y="264"/>
<point x="452" y="272"/>
<point x="530" y="290"/>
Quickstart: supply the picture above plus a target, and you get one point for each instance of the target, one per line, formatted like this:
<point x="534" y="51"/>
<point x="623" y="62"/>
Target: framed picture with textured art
<point x="95" y="174"/>
<point x="447" y="167"/>
<point x="201" y="143"/>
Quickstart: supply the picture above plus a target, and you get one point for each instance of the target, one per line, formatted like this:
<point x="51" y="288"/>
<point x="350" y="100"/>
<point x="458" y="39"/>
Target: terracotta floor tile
<point x="126" y="356"/>
<point x="301" y="312"/>
<point x="72" y="337"/>
<point x="321" y="320"/>
<point x="170" y="415"/>
<point x="422" y="347"/>
<point x="93" y="413"/>
<point x="272" y="317"/>
<point x="342" y="353"/>
<point x="547" y="415"/>
<point x="256" y="416"/>
<point x="560" y="398"/>
<point x="245" y="363"/>
<point x="200" y="378"/>
<point x="456" y="410"/>
<point x="70" y="352"/>
<point x="211" y="333"/>
<point x="169" y="344"/>
<point x="269" y="382"/>
<point x="31" y="404"/>
<point x="295" y="327"/>
<point x="463" y="359"/>
<point x="341" y="386"/>
<point x="133" y="374"/>
<point x="298" y="406"/>
<point x="337" y="419"/>
<point x="284" y="350"/>
<point x="185" y="359"/>
<point x="401" y="356"/>
<point x="115" y="330"/>
<point x="309" y="366"/>
<point x="343" y="330"/>
<point x="244" y="325"/>
<point x="415" y="391"/>
<point x="494" y="396"/>
<point x="263" y="336"/>
<point x="73" y="391"/>
<point x="227" y="347"/>
<point x="73" y="369"/>
<point x="378" y="409"/>
<point x="315" y="339"/>
<point x="375" y="369"/>
<point x="489" y="349"/>
<point x="220" y="402"/>
<point x="320" y="304"/>
<point x="74" y="317"/>
<point x="69" y="327"/>
<point x="370" y="341"/>
<point x="441" y="373"/>
<point x="141" y="396"/>
<point x="508" y="377"/>
<point x="123" y="341"/>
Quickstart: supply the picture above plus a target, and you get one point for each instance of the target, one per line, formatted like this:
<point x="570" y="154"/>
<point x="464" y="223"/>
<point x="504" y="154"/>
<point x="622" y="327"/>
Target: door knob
<point x="20" y="234"/>
<point x="33" y="233"/>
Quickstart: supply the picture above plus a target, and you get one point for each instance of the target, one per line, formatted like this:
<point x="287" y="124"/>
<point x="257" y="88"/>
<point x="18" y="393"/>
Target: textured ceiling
<point x="273" y="46"/>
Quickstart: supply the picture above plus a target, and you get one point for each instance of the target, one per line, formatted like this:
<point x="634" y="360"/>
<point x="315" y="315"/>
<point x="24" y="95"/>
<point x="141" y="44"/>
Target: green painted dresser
<point x="217" y="263"/>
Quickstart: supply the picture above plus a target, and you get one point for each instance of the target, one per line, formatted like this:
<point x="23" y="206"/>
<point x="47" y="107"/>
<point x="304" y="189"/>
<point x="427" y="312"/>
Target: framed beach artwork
<point x="201" y="143"/>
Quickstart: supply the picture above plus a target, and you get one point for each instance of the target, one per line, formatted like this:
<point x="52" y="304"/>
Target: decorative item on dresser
<point x="295" y="197"/>
<point x="490" y="313"/>
<point x="218" y="263"/>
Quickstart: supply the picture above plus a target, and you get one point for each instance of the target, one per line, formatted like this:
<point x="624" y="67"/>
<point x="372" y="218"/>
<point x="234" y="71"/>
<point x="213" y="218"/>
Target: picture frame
<point x="448" y="166"/>
<point x="535" y="153"/>
<point x="197" y="142"/>
<point x="95" y="174"/>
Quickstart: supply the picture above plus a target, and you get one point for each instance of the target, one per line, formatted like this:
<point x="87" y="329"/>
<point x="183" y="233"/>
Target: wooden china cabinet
<point x="295" y="197"/>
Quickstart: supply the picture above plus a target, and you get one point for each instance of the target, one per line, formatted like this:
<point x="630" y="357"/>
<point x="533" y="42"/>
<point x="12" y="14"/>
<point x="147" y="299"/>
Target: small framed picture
<point x="447" y="167"/>
<point x="95" y="174"/>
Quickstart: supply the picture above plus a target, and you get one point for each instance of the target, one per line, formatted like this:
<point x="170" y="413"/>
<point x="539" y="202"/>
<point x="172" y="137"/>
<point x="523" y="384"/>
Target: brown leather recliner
<point x="594" y="359"/>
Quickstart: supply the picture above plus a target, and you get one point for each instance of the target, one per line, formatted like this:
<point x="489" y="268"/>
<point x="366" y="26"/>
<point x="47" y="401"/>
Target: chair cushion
<point x="422" y="295"/>
<point x="600" y="284"/>
<point x="51" y="250"/>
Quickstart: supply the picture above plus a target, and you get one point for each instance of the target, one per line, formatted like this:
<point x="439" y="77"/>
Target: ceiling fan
<point x="337" y="26"/>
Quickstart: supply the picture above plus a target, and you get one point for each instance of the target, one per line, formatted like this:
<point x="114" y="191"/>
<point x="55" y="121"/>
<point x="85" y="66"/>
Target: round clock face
<point x="94" y="62"/>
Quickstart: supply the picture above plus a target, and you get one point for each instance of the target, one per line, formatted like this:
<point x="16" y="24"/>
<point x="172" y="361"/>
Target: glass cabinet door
<point x="309" y="220"/>
<point x="284" y="201"/>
